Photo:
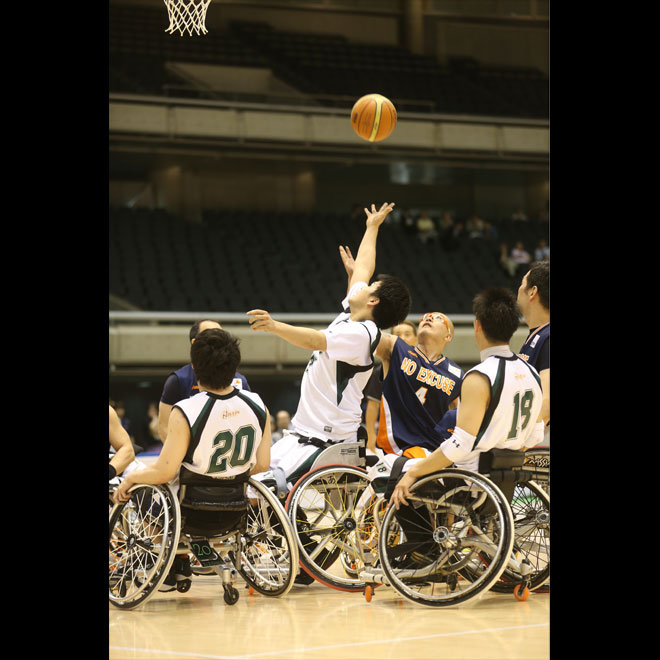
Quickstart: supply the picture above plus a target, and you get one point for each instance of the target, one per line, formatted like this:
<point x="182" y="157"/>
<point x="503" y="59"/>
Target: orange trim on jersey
<point x="415" y="452"/>
<point x="422" y="355"/>
<point x="536" y="331"/>
<point x="382" y="440"/>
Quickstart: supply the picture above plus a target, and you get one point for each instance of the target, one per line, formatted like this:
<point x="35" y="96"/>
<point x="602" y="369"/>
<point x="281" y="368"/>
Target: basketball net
<point x="187" y="16"/>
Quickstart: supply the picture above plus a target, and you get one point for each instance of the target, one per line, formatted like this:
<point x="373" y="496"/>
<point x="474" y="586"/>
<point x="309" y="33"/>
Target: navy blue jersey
<point x="536" y="349"/>
<point x="182" y="384"/>
<point x="416" y="395"/>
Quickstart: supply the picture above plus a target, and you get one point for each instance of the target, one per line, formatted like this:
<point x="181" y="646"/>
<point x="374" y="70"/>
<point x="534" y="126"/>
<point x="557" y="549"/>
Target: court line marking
<point x="307" y="649"/>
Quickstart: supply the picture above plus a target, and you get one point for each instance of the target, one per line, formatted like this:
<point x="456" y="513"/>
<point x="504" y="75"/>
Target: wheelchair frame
<point x="146" y="534"/>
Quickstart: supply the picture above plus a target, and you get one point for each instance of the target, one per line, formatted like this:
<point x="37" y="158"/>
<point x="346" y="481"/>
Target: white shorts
<point x="288" y="455"/>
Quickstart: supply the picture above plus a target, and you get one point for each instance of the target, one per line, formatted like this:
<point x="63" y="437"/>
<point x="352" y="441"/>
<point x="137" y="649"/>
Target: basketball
<point x="373" y="117"/>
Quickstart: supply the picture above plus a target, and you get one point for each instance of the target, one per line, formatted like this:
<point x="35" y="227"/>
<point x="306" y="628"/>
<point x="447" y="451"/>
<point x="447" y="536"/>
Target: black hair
<point x="498" y="312"/>
<point x="215" y="356"/>
<point x="539" y="276"/>
<point x="395" y="302"/>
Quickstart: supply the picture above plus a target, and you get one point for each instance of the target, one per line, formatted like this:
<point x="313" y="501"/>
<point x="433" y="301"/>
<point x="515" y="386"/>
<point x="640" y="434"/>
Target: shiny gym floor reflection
<point x="319" y="622"/>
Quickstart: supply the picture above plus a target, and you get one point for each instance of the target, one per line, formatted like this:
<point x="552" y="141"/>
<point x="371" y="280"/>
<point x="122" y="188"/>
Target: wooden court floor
<point x="319" y="622"/>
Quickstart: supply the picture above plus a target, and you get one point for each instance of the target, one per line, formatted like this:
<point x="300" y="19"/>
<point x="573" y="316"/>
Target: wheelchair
<point x="331" y="510"/>
<point x="226" y="532"/>
<point x="537" y="460"/>
<point x="464" y="533"/>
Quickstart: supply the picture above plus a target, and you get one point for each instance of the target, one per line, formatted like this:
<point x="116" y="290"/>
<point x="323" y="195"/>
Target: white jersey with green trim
<point x="515" y="403"/>
<point x="225" y="431"/>
<point x="331" y="391"/>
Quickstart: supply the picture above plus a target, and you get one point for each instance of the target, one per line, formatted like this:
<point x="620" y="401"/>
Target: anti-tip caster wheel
<point x="231" y="595"/>
<point x="521" y="592"/>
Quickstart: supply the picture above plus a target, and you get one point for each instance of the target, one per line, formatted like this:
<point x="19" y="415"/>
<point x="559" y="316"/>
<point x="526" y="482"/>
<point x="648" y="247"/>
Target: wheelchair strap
<point x="397" y="468"/>
<point x="317" y="442"/>
<point x="280" y="482"/>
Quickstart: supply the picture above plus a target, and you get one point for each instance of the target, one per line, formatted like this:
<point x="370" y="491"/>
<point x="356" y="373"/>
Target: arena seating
<point x="320" y="65"/>
<point x="288" y="262"/>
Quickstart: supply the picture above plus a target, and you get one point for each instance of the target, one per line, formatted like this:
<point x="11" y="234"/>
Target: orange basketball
<point x="373" y="117"/>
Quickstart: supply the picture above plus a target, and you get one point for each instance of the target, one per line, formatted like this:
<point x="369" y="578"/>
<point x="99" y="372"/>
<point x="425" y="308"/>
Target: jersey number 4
<point x="231" y="451"/>
<point x="522" y="408"/>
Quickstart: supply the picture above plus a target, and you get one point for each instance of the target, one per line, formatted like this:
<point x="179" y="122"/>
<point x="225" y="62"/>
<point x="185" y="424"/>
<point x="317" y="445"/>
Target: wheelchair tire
<point x="530" y="506"/>
<point x="451" y="543"/>
<point x="322" y="507"/>
<point x="144" y="536"/>
<point x="269" y="553"/>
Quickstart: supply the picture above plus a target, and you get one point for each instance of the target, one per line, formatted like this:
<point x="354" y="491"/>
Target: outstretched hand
<point x="376" y="217"/>
<point x="347" y="259"/>
<point x="261" y="320"/>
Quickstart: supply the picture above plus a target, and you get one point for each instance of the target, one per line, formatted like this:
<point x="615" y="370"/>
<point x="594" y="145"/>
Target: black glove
<point x="113" y="472"/>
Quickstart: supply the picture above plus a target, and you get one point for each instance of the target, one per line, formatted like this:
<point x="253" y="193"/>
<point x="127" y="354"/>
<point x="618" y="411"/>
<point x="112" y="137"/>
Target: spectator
<point x="408" y="222"/>
<point x="282" y="422"/>
<point x="475" y="226"/>
<point x="507" y="264"/>
<point x="426" y="230"/>
<point x="446" y="231"/>
<point x="519" y="215"/>
<point x="520" y="257"/>
<point x="542" y="250"/>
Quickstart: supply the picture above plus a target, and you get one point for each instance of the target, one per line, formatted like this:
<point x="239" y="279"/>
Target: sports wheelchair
<point x="326" y="509"/>
<point x="464" y="533"/>
<point x="226" y="532"/>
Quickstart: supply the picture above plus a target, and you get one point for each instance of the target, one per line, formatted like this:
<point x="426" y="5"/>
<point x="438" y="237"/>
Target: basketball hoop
<point x="187" y="16"/>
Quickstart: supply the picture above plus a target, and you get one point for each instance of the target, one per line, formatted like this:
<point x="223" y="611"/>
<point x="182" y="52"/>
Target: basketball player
<point x="195" y="423"/>
<point x="374" y="390"/>
<point x="420" y="385"/>
<point x="181" y="384"/>
<point x="329" y="410"/>
<point x="534" y="303"/>
<point x="407" y="330"/>
<point x="221" y="432"/>
<point x="501" y="397"/>
<point x="122" y="453"/>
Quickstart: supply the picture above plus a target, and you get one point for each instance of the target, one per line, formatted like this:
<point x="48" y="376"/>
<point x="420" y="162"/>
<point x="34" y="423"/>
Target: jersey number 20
<point x="226" y="443"/>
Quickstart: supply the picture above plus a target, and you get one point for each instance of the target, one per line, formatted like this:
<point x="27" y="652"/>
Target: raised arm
<point x="314" y="340"/>
<point x="365" y="261"/>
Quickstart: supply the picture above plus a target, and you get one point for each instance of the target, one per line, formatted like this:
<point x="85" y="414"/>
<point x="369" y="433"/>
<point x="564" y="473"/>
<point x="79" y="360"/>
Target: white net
<point x="187" y="16"/>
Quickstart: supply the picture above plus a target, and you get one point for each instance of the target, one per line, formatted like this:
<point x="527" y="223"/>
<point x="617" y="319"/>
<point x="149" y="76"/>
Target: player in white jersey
<point x="221" y="432"/>
<point x="332" y="386"/>
<point x="501" y="398"/>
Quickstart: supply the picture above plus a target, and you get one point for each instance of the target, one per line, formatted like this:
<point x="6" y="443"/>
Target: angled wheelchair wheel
<point x="537" y="459"/>
<point x="324" y="509"/>
<point x="451" y="543"/>
<point x="269" y="552"/>
<point x="144" y="536"/>
<point x="529" y="565"/>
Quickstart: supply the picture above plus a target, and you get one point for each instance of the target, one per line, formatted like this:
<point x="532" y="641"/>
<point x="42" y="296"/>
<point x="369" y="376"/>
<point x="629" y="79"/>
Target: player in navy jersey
<point x="420" y="385"/>
<point x="182" y="384"/>
<point x="534" y="302"/>
<point x="501" y="397"/>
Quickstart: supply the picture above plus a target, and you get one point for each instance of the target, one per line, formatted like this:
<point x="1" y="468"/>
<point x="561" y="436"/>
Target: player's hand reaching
<point x="376" y="217"/>
<point x="347" y="259"/>
<point x="261" y="320"/>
